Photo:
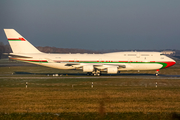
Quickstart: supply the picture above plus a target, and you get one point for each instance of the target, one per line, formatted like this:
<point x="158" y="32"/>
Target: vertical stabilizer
<point x="18" y="43"/>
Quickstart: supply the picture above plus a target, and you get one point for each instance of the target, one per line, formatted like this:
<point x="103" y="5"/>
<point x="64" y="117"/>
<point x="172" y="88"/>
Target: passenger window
<point x="131" y="54"/>
<point x="144" y="54"/>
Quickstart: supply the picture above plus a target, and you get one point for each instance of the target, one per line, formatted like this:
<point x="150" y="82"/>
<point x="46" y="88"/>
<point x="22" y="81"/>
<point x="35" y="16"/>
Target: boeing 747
<point x="92" y="64"/>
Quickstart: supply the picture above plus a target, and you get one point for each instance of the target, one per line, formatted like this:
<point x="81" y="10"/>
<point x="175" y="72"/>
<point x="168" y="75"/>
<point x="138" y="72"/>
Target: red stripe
<point x="30" y="60"/>
<point x="169" y="64"/>
<point x="37" y="60"/>
<point x="71" y="60"/>
<point x="22" y="39"/>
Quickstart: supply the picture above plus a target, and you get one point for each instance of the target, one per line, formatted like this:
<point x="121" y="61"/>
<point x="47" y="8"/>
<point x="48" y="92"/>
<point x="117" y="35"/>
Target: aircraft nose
<point x="170" y="63"/>
<point x="173" y="61"/>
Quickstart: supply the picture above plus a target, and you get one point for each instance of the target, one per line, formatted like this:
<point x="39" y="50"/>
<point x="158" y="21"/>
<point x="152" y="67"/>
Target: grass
<point x="73" y="98"/>
<point x="117" y="97"/>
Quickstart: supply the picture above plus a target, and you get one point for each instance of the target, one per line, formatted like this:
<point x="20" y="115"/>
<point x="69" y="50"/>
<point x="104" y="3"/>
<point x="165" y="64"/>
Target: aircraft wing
<point x="97" y="66"/>
<point x="108" y="66"/>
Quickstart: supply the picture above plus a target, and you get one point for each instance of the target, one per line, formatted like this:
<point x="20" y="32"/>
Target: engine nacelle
<point x="88" y="68"/>
<point x="112" y="70"/>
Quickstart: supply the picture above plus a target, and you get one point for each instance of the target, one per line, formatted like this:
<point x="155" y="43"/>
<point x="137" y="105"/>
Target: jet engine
<point x="88" y="68"/>
<point x="112" y="70"/>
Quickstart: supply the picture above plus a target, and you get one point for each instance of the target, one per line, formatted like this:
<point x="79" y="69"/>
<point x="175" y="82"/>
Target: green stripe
<point x="163" y="65"/>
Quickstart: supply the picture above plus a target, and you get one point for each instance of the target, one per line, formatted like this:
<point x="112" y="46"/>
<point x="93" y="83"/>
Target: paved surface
<point x="95" y="77"/>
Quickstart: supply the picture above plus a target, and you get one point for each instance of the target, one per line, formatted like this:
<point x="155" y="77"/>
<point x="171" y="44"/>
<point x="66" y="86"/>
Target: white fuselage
<point x="130" y="60"/>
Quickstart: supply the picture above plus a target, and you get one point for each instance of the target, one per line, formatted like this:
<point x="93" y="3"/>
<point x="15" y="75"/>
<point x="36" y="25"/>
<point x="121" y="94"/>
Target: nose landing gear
<point x="157" y="72"/>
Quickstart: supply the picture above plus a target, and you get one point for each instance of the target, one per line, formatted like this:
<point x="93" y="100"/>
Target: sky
<point x="94" y="24"/>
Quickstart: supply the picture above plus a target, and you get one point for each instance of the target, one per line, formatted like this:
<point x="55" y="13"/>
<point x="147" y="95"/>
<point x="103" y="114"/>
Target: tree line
<point x="46" y="49"/>
<point x="4" y="49"/>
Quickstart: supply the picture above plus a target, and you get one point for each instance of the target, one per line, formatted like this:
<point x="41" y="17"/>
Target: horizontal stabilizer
<point x="16" y="55"/>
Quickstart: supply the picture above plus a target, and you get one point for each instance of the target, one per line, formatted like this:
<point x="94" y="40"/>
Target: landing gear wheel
<point x="97" y="74"/>
<point x="94" y="73"/>
<point x="157" y="72"/>
<point x="88" y="73"/>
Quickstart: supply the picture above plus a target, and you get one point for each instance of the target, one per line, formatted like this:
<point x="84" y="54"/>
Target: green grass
<point x="114" y="95"/>
<point x="73" y="98"/>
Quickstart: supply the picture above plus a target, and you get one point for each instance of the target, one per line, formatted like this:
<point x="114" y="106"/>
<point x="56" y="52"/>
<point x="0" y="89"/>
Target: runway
<point x="130" y="76"/>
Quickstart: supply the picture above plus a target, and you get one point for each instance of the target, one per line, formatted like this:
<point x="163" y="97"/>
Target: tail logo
<point x="16" y="39"/>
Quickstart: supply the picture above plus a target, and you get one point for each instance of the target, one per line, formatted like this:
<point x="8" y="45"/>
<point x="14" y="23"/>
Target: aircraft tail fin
<point x="18" y="43"/>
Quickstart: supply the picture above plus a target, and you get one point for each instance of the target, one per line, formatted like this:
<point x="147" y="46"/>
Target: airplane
<point x="92" y="64"/>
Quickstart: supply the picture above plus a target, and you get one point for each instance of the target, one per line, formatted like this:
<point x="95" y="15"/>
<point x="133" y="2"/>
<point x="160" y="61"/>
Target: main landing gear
<point x="157" y="72"/>
<point x="94" y="73"/>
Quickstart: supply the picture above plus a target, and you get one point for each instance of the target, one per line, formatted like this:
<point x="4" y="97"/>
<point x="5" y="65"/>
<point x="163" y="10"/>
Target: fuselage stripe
<point x="16" y="39"/>
<point x="38" y="61"/>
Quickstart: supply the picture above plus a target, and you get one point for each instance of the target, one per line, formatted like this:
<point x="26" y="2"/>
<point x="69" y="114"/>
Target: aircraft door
<point x="100" y="60"/>
<point x="138" y="55"/>
<point x="40" y="60"/>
